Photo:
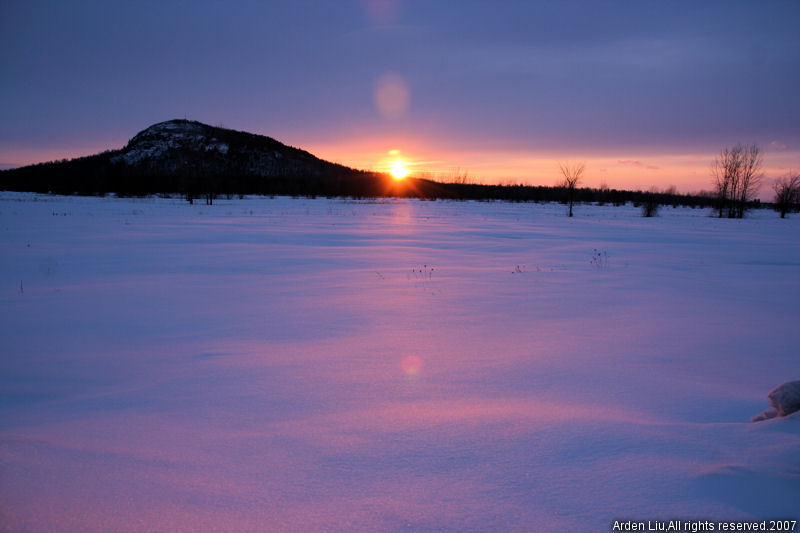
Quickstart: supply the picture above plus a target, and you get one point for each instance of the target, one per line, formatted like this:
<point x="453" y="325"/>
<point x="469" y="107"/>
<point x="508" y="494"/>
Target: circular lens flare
<point x="392" y="96"/>
<point x="412" y="365"/>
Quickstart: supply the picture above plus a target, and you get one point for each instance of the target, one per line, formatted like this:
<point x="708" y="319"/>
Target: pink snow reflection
<point x="459" y="415"/>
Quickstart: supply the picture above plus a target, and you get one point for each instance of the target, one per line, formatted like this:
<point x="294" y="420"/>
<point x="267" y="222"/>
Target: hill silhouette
<point x="188" y="157"/>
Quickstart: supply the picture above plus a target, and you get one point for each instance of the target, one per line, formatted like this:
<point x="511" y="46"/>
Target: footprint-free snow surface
<point x="400" y="365"/>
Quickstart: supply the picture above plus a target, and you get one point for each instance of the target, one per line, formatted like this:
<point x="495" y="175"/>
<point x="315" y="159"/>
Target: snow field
<point x="399" y="365"/>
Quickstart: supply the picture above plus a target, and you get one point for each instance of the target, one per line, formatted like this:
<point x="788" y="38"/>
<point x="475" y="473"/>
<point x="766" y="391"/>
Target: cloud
<point x="634" y="163"/>
<point x="777" y="145"/>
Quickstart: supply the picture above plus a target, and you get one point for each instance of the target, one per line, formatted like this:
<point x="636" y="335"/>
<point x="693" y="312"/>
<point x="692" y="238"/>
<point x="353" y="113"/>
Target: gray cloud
<point x="563" y="75"/>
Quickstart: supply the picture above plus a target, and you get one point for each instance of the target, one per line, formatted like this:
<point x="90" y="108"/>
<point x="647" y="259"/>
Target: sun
<point x="398" y="170"/>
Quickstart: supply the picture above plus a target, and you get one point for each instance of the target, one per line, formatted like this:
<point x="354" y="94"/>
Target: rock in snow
<point x="785" y="400"/>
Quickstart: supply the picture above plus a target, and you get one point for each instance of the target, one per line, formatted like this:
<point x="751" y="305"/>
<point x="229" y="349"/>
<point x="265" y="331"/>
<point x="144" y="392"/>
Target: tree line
<point x="736" y="176"/>
<point x="95" y="175"/>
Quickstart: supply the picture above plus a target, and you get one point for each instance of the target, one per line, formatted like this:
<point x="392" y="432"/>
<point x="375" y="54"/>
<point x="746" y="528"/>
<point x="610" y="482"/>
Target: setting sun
<point x="398" y="170"/>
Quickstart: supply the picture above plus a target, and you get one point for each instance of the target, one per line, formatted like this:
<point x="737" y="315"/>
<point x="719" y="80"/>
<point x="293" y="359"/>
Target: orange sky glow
<point x="428" y="158"/>
<point x="688" y="172"/>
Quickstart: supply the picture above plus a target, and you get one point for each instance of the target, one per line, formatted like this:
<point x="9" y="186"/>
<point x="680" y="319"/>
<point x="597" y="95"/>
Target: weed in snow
<point x="422" y="274"/>
<point x="599" y="259"/>
<point x="422" y="277"/>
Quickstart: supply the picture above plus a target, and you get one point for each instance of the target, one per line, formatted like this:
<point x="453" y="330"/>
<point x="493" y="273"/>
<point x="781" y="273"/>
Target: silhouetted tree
<point x="572" y="176"/>
<point x="737" y="175"/>
<point x="787" y="193"/>
<point x="650" y="204"/>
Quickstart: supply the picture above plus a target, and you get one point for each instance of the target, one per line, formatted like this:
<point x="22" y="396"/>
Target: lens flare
<point x="381" y="12"/>
<point x="392" y="96"/>
<point x="412" y="365"/>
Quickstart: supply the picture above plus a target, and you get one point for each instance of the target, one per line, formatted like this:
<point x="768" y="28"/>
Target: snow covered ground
<point x="300" y="365"/>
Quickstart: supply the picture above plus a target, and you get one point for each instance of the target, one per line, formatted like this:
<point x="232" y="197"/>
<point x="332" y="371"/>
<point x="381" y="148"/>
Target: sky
<point x="646" y="93"/>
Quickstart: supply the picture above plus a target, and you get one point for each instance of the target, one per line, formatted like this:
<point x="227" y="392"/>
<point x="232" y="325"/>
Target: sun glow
<point x="398" y="169"/>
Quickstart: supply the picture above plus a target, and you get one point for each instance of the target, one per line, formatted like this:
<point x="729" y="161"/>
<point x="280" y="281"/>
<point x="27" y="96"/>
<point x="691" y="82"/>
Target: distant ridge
<point x="186" y="156"/>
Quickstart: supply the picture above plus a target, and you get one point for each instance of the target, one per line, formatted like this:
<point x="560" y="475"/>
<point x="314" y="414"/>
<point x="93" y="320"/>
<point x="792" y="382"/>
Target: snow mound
<point x="784" y="399"/>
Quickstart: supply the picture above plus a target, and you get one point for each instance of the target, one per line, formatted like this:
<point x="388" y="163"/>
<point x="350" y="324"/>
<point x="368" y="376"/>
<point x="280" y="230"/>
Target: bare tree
<point x="787" y="193"/>
<point x="722" y="168"/>
<point x="737" y="176"/>
<point x="750" y="178"/>
<point x="650" y="203"/>
<point x="572" y="173"/>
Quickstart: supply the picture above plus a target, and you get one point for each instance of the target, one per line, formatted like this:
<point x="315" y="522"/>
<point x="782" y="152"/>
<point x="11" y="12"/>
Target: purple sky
<point x="645" y="92"/>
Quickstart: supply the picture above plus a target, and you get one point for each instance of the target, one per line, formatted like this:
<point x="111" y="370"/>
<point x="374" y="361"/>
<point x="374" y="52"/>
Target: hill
<point x="188" y="157"/>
